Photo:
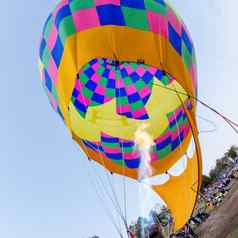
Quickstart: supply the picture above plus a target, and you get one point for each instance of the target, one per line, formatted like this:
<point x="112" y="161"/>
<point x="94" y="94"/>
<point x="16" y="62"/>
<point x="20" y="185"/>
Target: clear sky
<point x="45" y="186"/>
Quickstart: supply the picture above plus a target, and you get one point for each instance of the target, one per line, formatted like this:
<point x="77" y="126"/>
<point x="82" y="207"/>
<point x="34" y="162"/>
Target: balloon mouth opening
<point x="130" y="83"/>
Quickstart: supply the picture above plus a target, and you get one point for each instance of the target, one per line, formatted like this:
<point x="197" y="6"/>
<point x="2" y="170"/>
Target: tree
<point x="213" y="174"/>
<point x="206" y="180"/>
<point x="232" y="152"/>
<point x="220" y="166"/>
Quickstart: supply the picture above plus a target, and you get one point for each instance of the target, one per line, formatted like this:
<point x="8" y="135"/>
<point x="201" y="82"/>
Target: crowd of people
<point x="160" y="222"/>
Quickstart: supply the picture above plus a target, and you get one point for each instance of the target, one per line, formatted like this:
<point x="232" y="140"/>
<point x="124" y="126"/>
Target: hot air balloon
<point x="122" y="76"/>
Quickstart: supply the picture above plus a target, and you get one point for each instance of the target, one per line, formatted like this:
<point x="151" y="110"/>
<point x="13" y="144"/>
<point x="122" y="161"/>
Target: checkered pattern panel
<point x="174" y="135"/>
<point x="95" y="85"/>
<point x="102" y="80"/>
<point x="72" y="16"/>
<point x="119" y="151"/>
<point x="133" y="90"/>
<point x="48" y="67"/>
<point x="124" y="152"/>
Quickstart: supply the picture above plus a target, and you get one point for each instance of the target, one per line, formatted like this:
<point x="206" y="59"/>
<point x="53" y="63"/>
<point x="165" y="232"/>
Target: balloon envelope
<point x="112" y="67"/>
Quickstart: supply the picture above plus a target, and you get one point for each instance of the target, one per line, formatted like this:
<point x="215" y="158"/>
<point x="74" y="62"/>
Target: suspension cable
<point x="118" y="209"/>
<point x="94" y="182"/>
<point x="104" y="188"/>
<point x="231" y="123"/>
<point x="180" y="141"/>
<point x="116" y="204"/>
<point x="123" y="165"/>
<point x="208" y="121"/>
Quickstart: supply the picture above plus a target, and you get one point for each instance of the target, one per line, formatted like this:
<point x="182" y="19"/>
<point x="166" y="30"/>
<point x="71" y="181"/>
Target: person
<point x="203" y="216"/>
<point x="130" y="234"/>
<point x="189" y="231"/>
<point x="172" y="235"/>
<point x="155" y="231"/>
<point x="156" y="234"/>
<point x="195" y="220"/>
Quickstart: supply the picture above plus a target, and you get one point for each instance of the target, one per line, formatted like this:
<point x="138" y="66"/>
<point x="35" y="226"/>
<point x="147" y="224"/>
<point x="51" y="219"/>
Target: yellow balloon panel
<point x="180" y="193"/>
<point x="104" y="118"/>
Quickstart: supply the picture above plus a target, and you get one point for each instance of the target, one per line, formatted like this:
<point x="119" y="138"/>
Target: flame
<point x="144" y="142"/>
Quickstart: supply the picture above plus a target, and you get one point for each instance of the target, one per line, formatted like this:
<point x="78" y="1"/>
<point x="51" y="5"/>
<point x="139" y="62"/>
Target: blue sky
<point x="44" y="180"/>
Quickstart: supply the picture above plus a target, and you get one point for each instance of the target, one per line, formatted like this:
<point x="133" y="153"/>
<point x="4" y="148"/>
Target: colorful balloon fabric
<point x="112" y="66"/>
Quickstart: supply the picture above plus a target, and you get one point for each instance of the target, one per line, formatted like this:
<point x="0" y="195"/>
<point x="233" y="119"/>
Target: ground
<point x="223" y="222"/>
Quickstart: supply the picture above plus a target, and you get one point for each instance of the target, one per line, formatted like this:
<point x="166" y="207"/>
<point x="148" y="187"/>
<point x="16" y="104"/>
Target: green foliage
<point x="234" y="234"/>
<point x="221" y="164"/>
<point x="206" y="180"/>
<point x="213" y="174"/>
<point x="232" y="152"/>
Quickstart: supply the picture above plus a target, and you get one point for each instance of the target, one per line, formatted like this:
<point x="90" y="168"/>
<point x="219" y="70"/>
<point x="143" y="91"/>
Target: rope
<point x="197" y="192"/>
<point x="211" y="122"/>
<point x="231" y="123"/>
<point x="118" y="209"/>
<point x="116" y="204"/>
<point x="96" y="186"/>
<point x="123" y="172"/>
<point x="106" y="191"/>
<point x="185" y="166"/>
